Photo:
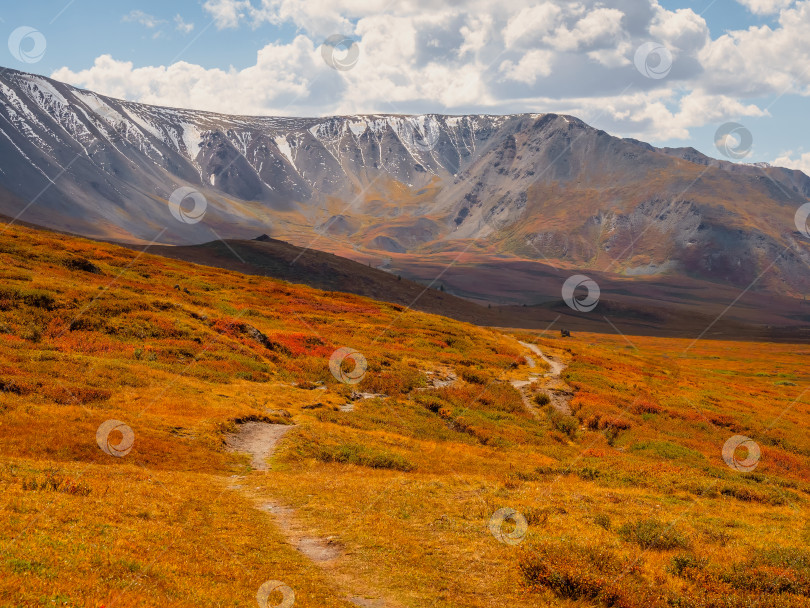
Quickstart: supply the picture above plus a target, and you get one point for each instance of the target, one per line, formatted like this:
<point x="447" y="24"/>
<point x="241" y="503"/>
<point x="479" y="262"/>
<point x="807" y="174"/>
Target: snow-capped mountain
<point x="539" y="186"/>
<point x="107" y="167"/>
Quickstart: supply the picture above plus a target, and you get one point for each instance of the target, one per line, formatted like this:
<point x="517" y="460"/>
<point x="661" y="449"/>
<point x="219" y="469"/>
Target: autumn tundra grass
<point x="626" y="500"/>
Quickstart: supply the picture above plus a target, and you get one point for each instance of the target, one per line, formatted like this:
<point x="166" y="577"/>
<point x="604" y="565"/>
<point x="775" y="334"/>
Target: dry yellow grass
<point x="406" y="483"/>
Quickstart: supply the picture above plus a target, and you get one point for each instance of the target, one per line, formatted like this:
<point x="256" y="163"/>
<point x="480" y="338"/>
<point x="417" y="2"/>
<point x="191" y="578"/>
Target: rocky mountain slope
<point x="401" y="189"/>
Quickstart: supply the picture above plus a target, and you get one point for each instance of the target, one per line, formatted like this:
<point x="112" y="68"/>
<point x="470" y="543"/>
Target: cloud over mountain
<point x="486" y="55"/>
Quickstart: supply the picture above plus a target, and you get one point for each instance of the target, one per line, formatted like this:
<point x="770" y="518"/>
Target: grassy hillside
<point x="657" y="306"/>
<point x="627" y="502"/>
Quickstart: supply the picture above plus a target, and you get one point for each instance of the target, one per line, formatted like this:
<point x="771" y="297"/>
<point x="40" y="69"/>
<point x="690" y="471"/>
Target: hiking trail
<point x="556" y="388"/>
<point x="260" y="439"/>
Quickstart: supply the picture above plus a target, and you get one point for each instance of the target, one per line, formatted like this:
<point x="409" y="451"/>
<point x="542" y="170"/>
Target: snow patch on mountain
<point x="147" y="126"/>
<point x="104" y="111"/>
<point x="22" y="118"/>
<point x="241" y="140"/>
<point x="15" y="102"/>
<point x="284" y="148"/>
<point x="46" y="89"/>
<point x="192" y="138"/>
<point x="174" y="136"/>
<point x="53" y="103"/>
<point x="358" y="127"/>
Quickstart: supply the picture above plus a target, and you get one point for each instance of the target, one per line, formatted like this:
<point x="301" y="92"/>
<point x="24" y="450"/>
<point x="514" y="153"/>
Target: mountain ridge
<point x="543" y="187"/>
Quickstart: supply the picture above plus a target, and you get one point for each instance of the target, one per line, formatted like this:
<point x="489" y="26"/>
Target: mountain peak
<point x="539" y="186"/>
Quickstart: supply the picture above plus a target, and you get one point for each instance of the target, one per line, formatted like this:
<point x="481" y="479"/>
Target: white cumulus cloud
<point x="181" y="25"/>
<point x="800" y="162"/>
<point x="485" y="56"/>
<point x="765" y="7"/>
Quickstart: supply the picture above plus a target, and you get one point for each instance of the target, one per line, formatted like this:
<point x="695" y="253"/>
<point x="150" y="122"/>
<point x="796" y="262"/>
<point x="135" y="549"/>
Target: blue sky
<point x="720" y="15"/>
<point x="262" y="57"/>
<point x="79" y="31"/>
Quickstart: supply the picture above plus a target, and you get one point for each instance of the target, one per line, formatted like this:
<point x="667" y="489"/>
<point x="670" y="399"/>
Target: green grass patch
<point x="593" y="574"/>
<point x="354" y="453"/>
<point x="653" y="534"/>
<point x="666" y="450"/>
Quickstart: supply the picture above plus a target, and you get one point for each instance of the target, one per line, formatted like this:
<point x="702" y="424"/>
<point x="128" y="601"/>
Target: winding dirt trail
<point x="558" y="391"/>
<point x="556" y="366"/>
<point x="260" y="439"/>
